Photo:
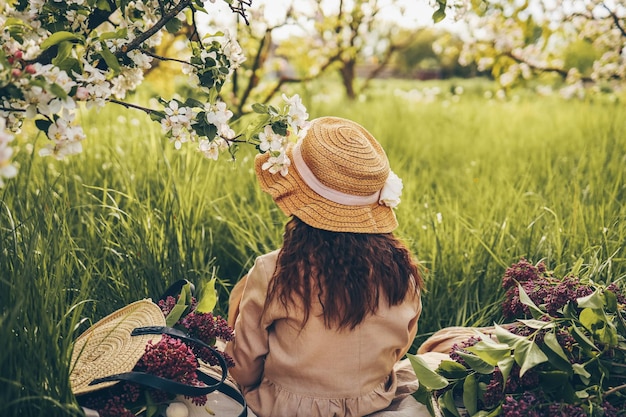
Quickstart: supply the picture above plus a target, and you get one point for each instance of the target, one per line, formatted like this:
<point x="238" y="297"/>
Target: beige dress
<point x="286" y="370"/>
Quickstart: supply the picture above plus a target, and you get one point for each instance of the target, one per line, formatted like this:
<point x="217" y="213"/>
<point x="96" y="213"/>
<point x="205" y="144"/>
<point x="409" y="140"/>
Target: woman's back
<point x="311" y="370"/>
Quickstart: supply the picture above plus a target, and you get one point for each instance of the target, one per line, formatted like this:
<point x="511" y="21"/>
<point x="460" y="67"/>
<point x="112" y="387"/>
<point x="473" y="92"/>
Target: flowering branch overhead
<point x="55" y="56"/>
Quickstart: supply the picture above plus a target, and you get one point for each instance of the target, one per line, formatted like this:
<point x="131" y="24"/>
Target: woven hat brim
<point x="107" y="348"/>
<point x="295" y="198"/>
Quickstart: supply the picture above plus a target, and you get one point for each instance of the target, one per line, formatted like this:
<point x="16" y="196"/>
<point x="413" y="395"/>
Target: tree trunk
<point x="348" y="74"/>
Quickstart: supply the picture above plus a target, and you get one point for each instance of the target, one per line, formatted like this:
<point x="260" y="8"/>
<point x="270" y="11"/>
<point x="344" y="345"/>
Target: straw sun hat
<point x="107" y="348"/>
<point x="339" y="179"/>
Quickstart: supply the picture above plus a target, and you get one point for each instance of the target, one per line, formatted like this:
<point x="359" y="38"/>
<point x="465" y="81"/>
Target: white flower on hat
<point x="391" y="191"/>
<point x="279" y="163"/>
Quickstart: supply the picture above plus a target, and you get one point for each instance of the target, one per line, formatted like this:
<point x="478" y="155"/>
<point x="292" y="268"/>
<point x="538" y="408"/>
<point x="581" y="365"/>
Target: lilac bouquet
<point x="563" y="353"/>
<point x="169" y="358"/>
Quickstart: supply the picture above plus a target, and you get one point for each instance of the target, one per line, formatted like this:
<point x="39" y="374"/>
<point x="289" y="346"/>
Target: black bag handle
<point x="175" y="289"/>
<point x="174" y="387"/>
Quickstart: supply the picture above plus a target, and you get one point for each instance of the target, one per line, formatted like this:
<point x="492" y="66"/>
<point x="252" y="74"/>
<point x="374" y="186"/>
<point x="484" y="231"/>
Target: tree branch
<point x="132" y="106"/>
<point x="290" y="80"/>
<point x="259" y="58"/>
<point x="613" y="390"/>
<point x="241" y="9"/>
<point x="615" y="20"/>
<point x="164" y="58"/>
<point x="559" y="71"/>
<point x="135" y="43"/>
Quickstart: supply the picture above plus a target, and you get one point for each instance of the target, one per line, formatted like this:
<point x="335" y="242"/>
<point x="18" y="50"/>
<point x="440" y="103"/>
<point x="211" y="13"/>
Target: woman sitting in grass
<point x="321" y="324"/>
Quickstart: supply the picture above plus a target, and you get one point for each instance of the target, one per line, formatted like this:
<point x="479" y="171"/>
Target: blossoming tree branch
<point x="57" y="56"/>
<point x="517" y="42"/>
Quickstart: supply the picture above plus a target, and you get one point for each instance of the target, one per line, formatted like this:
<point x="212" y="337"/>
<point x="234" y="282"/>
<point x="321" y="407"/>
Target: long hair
<point x="346" y="272"/>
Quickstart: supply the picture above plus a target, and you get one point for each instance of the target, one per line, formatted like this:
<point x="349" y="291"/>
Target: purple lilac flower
<point x="524" y="406"/>
<point x="565" y="410"/>
<point x="522" y="271"/>
<point x="173" y="359"/>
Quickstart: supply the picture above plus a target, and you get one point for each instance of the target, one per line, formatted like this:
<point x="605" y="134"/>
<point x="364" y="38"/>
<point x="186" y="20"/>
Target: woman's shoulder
<point x="268" y="259"/>
<point x="265" y="264"/>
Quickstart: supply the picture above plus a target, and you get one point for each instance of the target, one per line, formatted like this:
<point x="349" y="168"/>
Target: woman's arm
<point x="250" y="345"/>
<point x="412" y="327"/>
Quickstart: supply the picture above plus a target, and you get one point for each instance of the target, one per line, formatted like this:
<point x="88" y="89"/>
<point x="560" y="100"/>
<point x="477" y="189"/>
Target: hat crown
<point x="344" y="156"/>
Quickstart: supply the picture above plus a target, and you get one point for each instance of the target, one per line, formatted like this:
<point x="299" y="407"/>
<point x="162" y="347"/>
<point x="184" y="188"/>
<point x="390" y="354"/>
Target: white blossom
<point x="297" y="114"/>
<point x="279" y="163"/>
<point x="209" y="149"/>
<point x="270" y="141"/>
<point x="7" y="169"/>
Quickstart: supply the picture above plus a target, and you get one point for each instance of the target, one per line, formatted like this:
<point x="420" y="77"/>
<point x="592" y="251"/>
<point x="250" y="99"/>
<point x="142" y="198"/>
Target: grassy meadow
<point x="486" y="182"/>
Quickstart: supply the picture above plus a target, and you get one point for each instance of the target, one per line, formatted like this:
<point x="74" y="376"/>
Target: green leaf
<point x="611" y="300"/>
<point x="58" y="91"/>
<point x="490" y="352"/>
<point x="440" y="13"/>
<point x="476" y="363"/>
<point x="582" y="394"/>
<point x="551" y="341"/>
<point x="192" y="102"/>
<point x="452" y="370"/>
<point x="594" y="300"/>
<point x="68" y="65"/>
<point x="59" y="37"/>
<point x="538" y="324"/>
<point x="43" y="125"/>
<point x="151" y="407"/>
<point x="496" y="412"/>
<point x="109" y="58"/>
<point x="63" y="52"/>
<point x="570" y="311"/>
<point x="592" y="319"/>
<point x="525" y="299"/>
<point x="470" y="394"/>
<point x="579" y="369"/>
<point x="173" y="25"/>
<point x="447" y="401"/>
<point x="507" y="337"/>
<point x="426" y="376"/>
<point x="583" y="340"/>
<point x="209" y="298"/>
<point x="575" y="270"/>
<point x="103" y="5"/>
<point x="157" y="115"/>
<point x="280" y="128"/>
<point x="180" y="307"/>
<point x="259" y="108"/>
<point x="608" y="334"/>
<point x="118" y="34"/>
<point x="553" y="380"/>
<point x="423" y="395"/>
<point x="528" y="355"/>
<point x="505" y="366"/>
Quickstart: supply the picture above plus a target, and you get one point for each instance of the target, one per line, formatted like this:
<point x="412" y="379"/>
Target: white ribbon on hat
<point x="325" y="191"/>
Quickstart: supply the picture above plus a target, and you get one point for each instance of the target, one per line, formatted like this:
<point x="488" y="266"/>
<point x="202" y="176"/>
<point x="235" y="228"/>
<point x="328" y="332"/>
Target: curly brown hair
<point x="350" y="271"/>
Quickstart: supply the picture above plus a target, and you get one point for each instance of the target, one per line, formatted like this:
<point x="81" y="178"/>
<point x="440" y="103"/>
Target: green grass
<point x="486" y="182"/>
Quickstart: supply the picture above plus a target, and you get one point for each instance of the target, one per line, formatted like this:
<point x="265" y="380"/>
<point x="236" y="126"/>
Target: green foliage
<point x="485" y="182"/>
<point x="580" y="55"/>
<point x="577" y="355"/>
<point x="420" y="50"/>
